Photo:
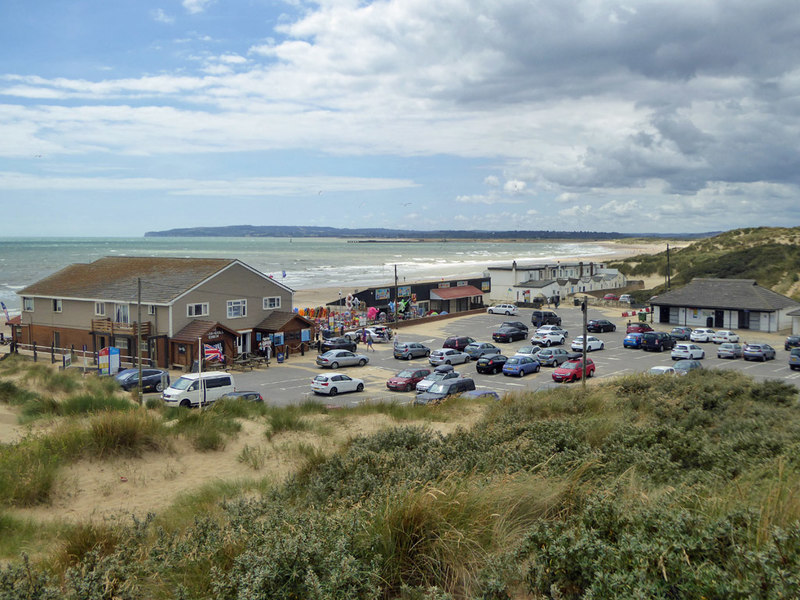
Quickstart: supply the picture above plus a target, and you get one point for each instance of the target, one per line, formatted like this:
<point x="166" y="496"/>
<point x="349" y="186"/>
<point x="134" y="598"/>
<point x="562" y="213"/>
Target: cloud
<point x="195" y="6"/>
<point x="160" y="16"/>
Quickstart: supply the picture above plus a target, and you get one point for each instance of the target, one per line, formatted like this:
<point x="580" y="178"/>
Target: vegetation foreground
<point x="644" y="487"/>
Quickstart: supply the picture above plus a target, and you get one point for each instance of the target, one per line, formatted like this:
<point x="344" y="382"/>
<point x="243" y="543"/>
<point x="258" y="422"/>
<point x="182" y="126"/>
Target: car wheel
<point x="702" y="355"/>
<point x="602" y="346"/>
<point x="589" y="374"/>
<point x="360" y="387"/>
<point x="508" y="313"/>
<point x="362" y="362"/>
<point x="334" y="365"/>
<point x="547" y="343"/>
<point x="333" y="391"/>
<point x="159" y="387"/>
<point x="466" y="360"/>
<point x="185" y="403"/>
<point x="763" y="358"/>
<point x="407" y="388"/>
<point x="447" y="362"/>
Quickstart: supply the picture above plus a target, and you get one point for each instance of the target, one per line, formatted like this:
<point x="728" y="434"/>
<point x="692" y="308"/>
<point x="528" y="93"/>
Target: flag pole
<point x="200" y="372"/>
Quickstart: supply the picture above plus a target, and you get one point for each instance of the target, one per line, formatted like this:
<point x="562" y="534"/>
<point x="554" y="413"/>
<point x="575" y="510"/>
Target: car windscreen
<point x="405" y="374"/>
<point x="438" y="388"/>
<point x="183" y="383"/>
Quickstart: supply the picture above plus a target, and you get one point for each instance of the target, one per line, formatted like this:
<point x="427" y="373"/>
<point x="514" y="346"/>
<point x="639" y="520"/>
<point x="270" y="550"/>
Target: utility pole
<point x="669" y="279"/>
<point x="139" y="335"/>
<point x="583" y="358"/>
<point x="396" y="299"/>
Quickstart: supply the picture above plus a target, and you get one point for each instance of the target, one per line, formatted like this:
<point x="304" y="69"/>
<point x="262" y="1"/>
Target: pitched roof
<point x="198" y="328"/>
<point x="277" y="320"/>
<point x="115" y="278"/>
<point x="452" y="293"/>
<point x="733" y="294"/>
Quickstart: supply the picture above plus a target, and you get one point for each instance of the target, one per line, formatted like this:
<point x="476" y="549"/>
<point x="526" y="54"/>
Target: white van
<point x="186" y="390"/>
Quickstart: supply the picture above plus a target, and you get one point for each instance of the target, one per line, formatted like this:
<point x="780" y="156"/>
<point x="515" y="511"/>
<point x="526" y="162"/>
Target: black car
<point x="338" y="343"/>
<point x="793" y="341"/>
<point x="517" y="324"/>
<point x="657" y="340"/>
<point x="442" y="389"/>
<point x="151" y="379"/>
<point x="545" y="317"/>
<point x="600" y="325"/>
<point x="457" y="342"/>
<point x="681" y="333"/>
<point x="509" y="334"/>
<point x="491" y="364"/>
<point x="249" y="396"/>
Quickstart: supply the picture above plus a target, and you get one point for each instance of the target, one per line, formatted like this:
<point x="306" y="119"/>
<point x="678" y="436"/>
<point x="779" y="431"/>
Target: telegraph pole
<point x="396" y="299"/>
<point x="583" y="358"/>
<point x="139" y="335"/>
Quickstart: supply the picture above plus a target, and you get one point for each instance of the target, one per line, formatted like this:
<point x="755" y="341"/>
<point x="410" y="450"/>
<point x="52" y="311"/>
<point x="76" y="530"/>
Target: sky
<point x="126" y="116"/>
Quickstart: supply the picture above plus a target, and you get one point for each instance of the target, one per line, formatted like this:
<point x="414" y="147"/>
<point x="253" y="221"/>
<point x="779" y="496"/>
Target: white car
<point x="341" y="358"/>
<point x="530" y="351"/>
<point x="331" y="384"/>
<point x="553" y="328"/>
<point x="662" y="370"/>
<point x="448" y="356"/>
<point x="687" y="351"/>
<point x="592" y="344"/>
<point x="627" y="298"/>
<point x="702" y="334"/>
<point x="724" y="335"/>
<point x="547" y="338"/>
<point x="503" y="309"/>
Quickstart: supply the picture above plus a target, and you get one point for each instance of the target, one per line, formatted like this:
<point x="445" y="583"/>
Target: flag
<point x="212" y="352"/>
<point x="5" y="310"/>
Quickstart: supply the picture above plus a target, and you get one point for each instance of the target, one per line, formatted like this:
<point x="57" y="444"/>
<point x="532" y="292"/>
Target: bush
<point x="128" y="433"/>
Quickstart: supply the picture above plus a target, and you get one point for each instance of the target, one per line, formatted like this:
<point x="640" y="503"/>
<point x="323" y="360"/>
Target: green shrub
<point x="92" y="403"/>
<point x="128" y="433"/>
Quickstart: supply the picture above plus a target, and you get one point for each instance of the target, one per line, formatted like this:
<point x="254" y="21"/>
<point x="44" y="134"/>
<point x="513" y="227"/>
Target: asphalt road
<point x="289" y="382"/>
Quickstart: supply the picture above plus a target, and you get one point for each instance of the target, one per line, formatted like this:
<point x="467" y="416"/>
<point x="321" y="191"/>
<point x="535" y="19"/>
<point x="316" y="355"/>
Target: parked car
<point x="554" y="328"/>
<point x="517" y="324"/>
<point x="793" y="341"/>
<point x="409" y="350"/>
<point x="195" y="389"/>
<point x="243" y="395"/>
<point x="662" y="370"/>
<point x="687" y="350"/>
<point x="794" y="358"/>
<point x="478" y="349"/>
<point x="547" y="339"/>
<point x="338" y="343"/>
<point x="448" y="356"/>
<point x="729" y="350"/>
<point x="681" y="333"/>
<point x="492" y="363"/>
<point x="592" y="344"/>
<point x="724" y="335"/>
<point x="702" y="334"/>
<point x="638" y="327"/>
<point x="480" y="394"/>
<point x="545" y="317"/>
<point x="442" y="389"/>
<point x="521" y="366"/>
<point x="657" y="341"/>
<point x="552" y="357"/>
<point x="610" y="297"/>
<point x="600" y="325"/>
<point x="331" y="384"/>
<point x="626" y="298"/>
<point x="509" y="334"/>
<point x="572" y="370"/>
<point x="531" y="351"/>
<point x="632" y="340"/>
<point x="152" y="381"/>
<point x="457" y="342"/>
<point x="341" y="358"/>
<point x="762" y="352"/>
<point x="682" y="367"/>
<point x="503" y="309"/>
<point x="440" y="373"/>
<point x="407" y="379"/>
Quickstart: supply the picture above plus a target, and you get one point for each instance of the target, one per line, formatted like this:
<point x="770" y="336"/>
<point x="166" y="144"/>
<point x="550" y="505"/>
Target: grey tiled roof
<point x="535" y="283"/>
<point x="734" y="294"/>
<point x="115" y="278"/>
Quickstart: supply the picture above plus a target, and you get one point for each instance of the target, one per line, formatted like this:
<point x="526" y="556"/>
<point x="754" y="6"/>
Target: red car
<point x="638" y="328"/>
<point x="407" y="379"/>
<point x="610" y="297"/>
<point x="572" y="370"/>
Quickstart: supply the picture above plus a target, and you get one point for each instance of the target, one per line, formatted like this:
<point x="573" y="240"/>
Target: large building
<point x="183" y="302"/>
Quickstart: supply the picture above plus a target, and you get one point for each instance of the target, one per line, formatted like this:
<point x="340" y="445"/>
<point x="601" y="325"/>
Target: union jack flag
<point x="212" y="352"/>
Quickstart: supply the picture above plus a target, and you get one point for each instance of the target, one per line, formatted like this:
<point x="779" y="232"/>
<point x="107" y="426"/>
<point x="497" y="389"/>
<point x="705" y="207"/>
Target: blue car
<point x="633" y="340"/>
<point x="521" y="366"/>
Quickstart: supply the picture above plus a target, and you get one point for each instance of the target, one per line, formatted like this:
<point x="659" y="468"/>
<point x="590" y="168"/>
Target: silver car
<point x="448" y="356"/>
<point x="341" y="358"/>
<point x="439" y="374"/>
<point x="478" y="349"/>
<point x="729" y="350"/>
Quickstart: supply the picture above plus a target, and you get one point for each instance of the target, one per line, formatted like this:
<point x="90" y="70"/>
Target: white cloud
<point x="195" y="6"/>
<point x="160" y="16"/>
<point x="492" y="181"/>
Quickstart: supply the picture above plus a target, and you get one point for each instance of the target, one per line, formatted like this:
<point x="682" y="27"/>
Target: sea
<point x="300" y="263"/>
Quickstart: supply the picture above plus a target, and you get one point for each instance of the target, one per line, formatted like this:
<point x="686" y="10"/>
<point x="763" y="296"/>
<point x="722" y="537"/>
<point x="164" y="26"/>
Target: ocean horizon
<point x="299" y="263"/>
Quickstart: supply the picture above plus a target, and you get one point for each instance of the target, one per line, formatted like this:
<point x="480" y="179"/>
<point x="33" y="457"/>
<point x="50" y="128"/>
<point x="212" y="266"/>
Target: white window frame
<point x="57" y="305"/>
<point x="236" y="309"/>
<point x="151" y="309"/>
<point x="191" y="309"/>
<point x="272" y="302"/>
<point x="123" y="313"/>
<point x="27" y="304"/>
<point x="99" y="309"/>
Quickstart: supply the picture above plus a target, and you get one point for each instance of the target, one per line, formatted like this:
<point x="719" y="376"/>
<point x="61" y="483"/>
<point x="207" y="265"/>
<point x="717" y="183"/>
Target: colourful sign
<point x="382" y="294"/>
<point x="404" y="291"/>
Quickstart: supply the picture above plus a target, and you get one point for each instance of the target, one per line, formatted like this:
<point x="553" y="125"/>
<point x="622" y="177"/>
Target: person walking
<point x="369" y="343"/>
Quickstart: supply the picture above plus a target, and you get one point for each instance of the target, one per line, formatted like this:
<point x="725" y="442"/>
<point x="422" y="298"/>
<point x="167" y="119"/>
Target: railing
<point x="117" y="328"/>
<point x="71" y="356"/>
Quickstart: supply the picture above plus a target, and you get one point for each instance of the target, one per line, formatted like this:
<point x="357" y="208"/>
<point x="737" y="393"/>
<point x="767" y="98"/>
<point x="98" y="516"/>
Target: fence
<point x="70" y="357"/>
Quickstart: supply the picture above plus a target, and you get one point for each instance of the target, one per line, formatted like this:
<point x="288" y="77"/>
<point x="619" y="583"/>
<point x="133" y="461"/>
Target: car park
<point x="793" y="341"/>
<point x="552" y="357"/>
<point x="547" y="339"/>
<point x="440" y="373"/>
<point x="687" y="350"/>
<point x="684" y="366"/>
<point x="478" y="349"/>
<point x="248" y="396"/>
<point x="331" y="384"/>
<point x="592" y="344"/>
<point x="503" y="309"/>
<point x="457" y="342"/>
<point x="521" y="366"/>
<point x="407" y="379"/>
<point x="409" y="350"/>
<point x="334" y="359"/>
<point x="794" y="358"/>
<point x="153" y="380"/>
<point x="448" y="356"/>
<point x="492" y="363"/>
<point x="572" y="370"/>
<point x="638" y="327"/>
<point x="701" y="334"/>
<point x="729" y="350"/>
<point x="509" y="334"/>
<point x="724" y="335"/>
<point x="545" y="317"/>
<point x="442" y="389"/>
<point x="681" y="333"/>
<point x="600" y="326"/>
<point x="762" y="352"/>
<point x="662" y="370"/>
<point x="632" y="340"/>
<point x="657" y="341"/>
<point x="338" y="343"/>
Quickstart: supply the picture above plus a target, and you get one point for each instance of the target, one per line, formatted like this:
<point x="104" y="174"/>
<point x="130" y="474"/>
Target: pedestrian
<point x="369" y="343"/>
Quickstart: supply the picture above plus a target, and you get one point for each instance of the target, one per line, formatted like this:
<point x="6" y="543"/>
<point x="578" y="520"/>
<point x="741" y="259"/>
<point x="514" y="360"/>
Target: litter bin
<point x="643" y="317"/>
<point x="576" y="301"/>
<point x="279" y="357"/>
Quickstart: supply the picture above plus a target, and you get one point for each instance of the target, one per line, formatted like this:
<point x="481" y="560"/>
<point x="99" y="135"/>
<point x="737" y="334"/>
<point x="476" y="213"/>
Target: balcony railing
<point x="115" y="328"/>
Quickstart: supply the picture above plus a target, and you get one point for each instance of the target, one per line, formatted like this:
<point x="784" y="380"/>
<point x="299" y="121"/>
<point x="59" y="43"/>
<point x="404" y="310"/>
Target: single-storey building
<point x="174" y="304"/>
<point x="725" y="304"/>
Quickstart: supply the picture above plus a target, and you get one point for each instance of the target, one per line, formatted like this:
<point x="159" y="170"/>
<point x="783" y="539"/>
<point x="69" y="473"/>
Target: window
<point x="197" y="310"/>
<point x="56" y="304"/>
<point x="237" y="308"/>
<point x="27" y="304"/>
<point x="122" y="313"/>
<point x="151" y="309"/>
<point x="121" y="343"/>
<point x="272" y="302"/>
<point x="100" y="309"/>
